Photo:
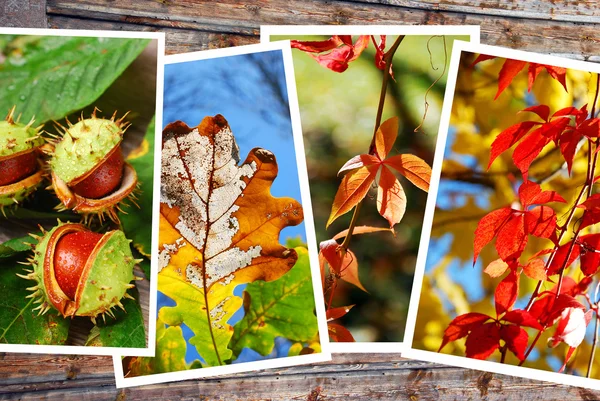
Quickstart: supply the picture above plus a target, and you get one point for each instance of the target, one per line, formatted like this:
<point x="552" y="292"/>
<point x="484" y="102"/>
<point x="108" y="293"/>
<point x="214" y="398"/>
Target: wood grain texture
<point x="566" y="28"/>
<point x="570" y="37"/>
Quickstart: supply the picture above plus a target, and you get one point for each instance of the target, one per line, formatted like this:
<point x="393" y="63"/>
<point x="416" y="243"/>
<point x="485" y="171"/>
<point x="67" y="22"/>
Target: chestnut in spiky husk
<point x="20" y="169"/>
<point x="79" y="272"/>
<point x="88" y="172"/>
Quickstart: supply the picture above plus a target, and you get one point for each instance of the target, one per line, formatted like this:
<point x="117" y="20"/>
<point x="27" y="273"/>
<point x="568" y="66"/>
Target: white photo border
<point x="325" y="354"/>
<point x="464" y="362"/>
<point x="267" y="31"/>
<point x="150" y="346"/>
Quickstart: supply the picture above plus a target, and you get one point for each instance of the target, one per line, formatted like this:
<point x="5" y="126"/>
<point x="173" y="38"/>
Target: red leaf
<point x="496" y="268"/>
<point x="541" y="222"/>
<point x="528" y="150"/>
<point x="352" y="189"/>
<point x="509" y="71"/>
<point x="483" y="341"/>
<point x="461" y="326"/>
<point x="590" y="128"/>
<point x="316" y="46"/>
<point x="346" y="39"/>
<point x="508" y="138"/>
<point x="532" y="73"/>
<point x="567" y="144"/>
<point x="522" y="318"/>
<point x="558" y="262"/>
<point x="536" y="269"/>
<point x="487" y="228"/>
<point x="530" y="193"/>
<point x="516" y="339"/>
<point x="570" y="328"/>
<point x="541" y="110"/>
<point x="391" y="200"/>
<point x="337" y="59"/>
<point x="339" y="333"/>
<point x="482" y="57"/>
<point x="357" y="162"/>
<point x="415" y="169"/>
<point x="379" y="52"/>
<point x="591" y="215"/>
<point x="512" y="238"/>
<point x="361" y="44"/>
<point x="570" y="111"/>
<point x="589" y="254"/>
<point x="558" y="73"/>
<point x="506" y="293"/>
<point x="562" y="302"/>
<point x="385" y="137"/>
<point x="336" y="313"/>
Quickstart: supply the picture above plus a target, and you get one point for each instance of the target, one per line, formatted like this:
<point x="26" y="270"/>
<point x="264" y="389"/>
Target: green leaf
<point x="15" y="246"/>
<point x="137" y="223"/>
<point x="191" y="309"/>
<point x="127" y="330"/>
<point x="18" y="323"/>
<point x="170" y="353"/>
<point x="281" y="308"/>
<point x="51" y="76"/>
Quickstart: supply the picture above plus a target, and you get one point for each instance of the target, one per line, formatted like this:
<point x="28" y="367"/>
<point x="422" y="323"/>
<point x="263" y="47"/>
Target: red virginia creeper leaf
<point x="589" y="254"/>
<point x="482" y="57"/>
<point x="571" y="328"/>
<point x="558" y="262"/>
<point x="506" y="293"/>
<point x="528" y="150"/>
<point x="516" y="339"/>
<point x="386" y="136"/>
<point x="507" y="138"/>
<point x="562" y="302"/>
<point x="352" y="189"/>
<point x="567" y="358"/>
<point x="461" y="326"/>
<point x="339" y="333"/>
<point x="521" y="317"/>
<point x="346" y="269"/>
<point x="361" y="44"/>
<point x="591" y="215"/>
<point x="541" y="222"/>
<point x="567" y="144"/>
<point x="391" y="200"/>
<point x="530" y="193"/>
<point x="512" y="238"/>
<point x="317" y="46"/>
<point x="487" y="228"/>
<point x="483" y="341"/>
<point x="336" y="313"/>
<point x="415" y="169"/>
<point x="558" y="73"/>
<point x="508" y="72"/>
<point x="541" y="110"/>
<point x="496" y="268"/>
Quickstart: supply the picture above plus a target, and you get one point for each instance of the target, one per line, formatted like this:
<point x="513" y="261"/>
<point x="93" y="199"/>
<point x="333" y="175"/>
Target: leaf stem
<point x="389" y="56"/>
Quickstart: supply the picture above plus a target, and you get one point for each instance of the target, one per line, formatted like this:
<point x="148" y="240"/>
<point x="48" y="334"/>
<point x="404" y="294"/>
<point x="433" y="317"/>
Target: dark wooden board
<point x="568" y="28"/>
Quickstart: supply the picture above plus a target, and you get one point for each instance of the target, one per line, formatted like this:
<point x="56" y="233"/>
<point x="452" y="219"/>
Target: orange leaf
<point x="415" y="169"/>
<point x="358" y="162"/>
<point x="336" y="313"/>
<point x="363" y="230"/>
<point x="385" y="137"/>
<point x="346" y="269"/>
<point x="391" y="200"/>
<point x="353" y="189"/>
<point x="496" y="268"/>
<point x="536" y="269"/>
<point x="218" y="219"/>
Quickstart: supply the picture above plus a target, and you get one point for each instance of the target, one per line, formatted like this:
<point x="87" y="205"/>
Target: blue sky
<point x="233" y="87"/>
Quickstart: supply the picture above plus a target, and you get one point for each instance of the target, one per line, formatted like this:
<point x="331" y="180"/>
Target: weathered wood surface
<point x="559" y="27"/>
<point x="350" y="377"/>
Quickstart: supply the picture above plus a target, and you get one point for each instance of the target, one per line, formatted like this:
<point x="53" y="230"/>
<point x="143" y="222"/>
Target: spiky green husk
<point x="15" y="193"/>
<point x="107" y="281"/>
<point x="84" y="145"/>
<point x="16" y="137"/>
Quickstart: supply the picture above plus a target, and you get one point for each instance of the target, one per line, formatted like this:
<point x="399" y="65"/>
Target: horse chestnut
<point x="89" y="174"/>
<point x="20" y="171"/>
<point x="79" y="272"/>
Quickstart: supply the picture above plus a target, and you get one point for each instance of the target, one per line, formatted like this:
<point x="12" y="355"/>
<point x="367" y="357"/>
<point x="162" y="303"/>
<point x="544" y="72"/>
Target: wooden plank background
<point x="561" y="27"/>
